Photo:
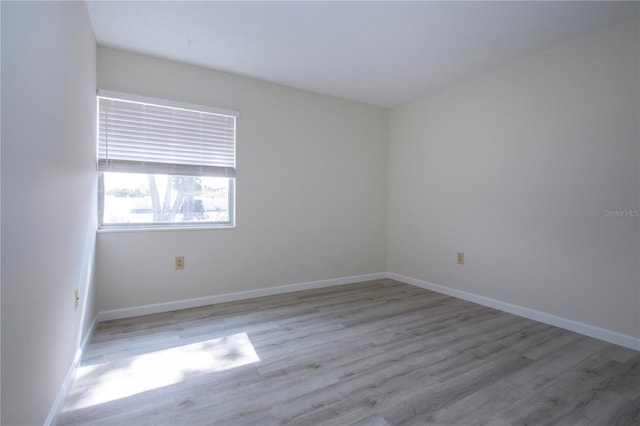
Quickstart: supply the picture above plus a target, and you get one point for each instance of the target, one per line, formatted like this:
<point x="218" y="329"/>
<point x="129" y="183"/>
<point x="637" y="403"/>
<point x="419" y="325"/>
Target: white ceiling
<point x="381" y="53"/>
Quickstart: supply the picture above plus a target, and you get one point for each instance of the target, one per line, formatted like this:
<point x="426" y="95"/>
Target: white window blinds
<point x="144" y="135"/>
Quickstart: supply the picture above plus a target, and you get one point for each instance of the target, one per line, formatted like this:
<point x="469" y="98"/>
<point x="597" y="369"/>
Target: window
<point x="164" y="163"/>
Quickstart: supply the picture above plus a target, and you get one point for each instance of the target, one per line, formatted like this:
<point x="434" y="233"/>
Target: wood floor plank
<point x="379" y="353"/>
<point x="481" y="407"/>
<point x="565" y="396"/>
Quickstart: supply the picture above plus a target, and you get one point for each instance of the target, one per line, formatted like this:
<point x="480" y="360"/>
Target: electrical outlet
<point x="460" y="258"/>
<point x="76" y="298"/>
<point x="179" y="263"/>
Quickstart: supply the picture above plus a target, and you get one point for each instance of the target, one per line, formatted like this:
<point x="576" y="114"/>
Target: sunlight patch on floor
<point x="100" y="383"/>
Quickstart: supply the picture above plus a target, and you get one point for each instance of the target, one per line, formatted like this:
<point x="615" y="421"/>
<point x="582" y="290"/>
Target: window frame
<point x="176" y="105"/>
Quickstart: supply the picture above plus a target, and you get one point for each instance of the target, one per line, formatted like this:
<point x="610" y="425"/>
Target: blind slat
<point x="147" y="167"/>
<point x="147" y="138"/>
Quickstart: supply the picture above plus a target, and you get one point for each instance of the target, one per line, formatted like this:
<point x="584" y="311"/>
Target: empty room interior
<point x="339" y="213"/>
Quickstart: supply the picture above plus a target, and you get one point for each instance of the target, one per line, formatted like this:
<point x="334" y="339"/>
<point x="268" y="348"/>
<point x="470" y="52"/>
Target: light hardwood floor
<point x="374" y="353"/>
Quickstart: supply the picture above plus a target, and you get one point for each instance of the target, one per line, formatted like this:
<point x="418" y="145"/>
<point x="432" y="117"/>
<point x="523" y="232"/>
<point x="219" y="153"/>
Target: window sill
<point x="117" y="229"/>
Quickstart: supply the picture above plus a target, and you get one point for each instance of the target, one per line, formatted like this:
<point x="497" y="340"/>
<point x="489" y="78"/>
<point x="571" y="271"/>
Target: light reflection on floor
<point x="154" y="370"/>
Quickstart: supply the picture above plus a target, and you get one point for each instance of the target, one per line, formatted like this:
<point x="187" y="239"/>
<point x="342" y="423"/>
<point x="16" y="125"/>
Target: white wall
<point x="48" y="159"/>
<point x="311" y="191"/>
<point x="0" y="225"/>
<point x="516" y="168"/>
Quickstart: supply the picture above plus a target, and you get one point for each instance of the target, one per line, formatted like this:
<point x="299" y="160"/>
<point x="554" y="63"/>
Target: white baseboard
<point x="565" y="323"/>
<point x="231" y="297"/>
<point x="56" y="408"/>
<point x="568" y="324"/>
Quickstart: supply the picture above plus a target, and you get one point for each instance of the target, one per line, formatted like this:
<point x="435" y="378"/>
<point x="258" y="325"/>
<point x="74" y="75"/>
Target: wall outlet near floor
<point x="460" y="258"/>
<point x="76" y="298"/>
<point x="179" y="263"/>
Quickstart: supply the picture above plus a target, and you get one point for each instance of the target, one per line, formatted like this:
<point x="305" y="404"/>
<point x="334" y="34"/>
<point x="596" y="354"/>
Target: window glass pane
<point x="133" y="198"/>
